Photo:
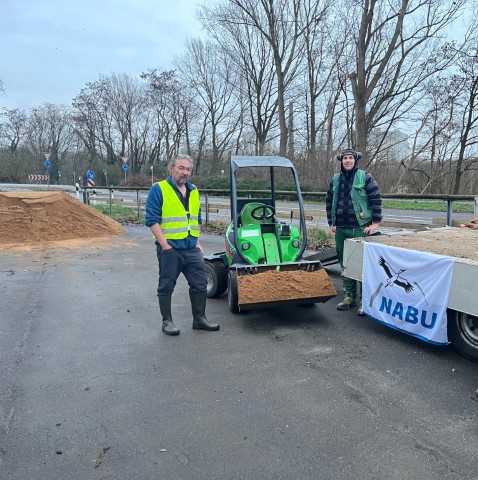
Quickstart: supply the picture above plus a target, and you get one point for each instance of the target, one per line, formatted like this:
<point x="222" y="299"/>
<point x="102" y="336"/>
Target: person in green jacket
<point x="354" y="209"/>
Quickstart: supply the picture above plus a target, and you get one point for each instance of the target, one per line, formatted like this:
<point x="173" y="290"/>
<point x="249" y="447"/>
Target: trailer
<point x="459" y="243"/>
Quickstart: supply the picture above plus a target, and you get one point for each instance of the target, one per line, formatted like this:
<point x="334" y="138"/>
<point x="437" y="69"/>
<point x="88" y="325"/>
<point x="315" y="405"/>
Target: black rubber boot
<point x="165" y="306"/>
<point x="198" y="306"/>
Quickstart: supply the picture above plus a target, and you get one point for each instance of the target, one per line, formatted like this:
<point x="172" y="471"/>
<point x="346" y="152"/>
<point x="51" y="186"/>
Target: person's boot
<point x="165" y="307"/>
<point x="198" y="306"/>
<point x="347" y="303"/>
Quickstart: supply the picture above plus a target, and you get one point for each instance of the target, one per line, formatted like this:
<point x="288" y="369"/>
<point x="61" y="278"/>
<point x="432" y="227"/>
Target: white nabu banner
<point x="407" y="290"/>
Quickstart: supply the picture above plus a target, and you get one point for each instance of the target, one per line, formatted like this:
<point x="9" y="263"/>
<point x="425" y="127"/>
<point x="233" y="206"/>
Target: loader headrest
<point x="349" y="151"/>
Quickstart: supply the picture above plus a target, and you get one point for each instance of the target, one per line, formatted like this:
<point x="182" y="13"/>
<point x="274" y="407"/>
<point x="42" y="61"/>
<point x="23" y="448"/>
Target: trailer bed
<point x="460" y="243"/>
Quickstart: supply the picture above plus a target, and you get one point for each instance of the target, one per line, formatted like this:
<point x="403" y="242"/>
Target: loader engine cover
<point x="263" y="244"/>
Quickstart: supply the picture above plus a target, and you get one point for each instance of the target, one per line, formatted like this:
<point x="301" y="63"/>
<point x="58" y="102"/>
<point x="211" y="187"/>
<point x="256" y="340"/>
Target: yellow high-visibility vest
<point x="175" y="222"/>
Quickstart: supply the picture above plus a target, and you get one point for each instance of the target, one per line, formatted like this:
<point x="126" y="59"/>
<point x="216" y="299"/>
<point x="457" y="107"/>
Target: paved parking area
<point x="91" y="388"/>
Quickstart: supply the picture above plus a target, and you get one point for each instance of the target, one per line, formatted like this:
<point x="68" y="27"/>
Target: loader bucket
<point x="263" y="286"/>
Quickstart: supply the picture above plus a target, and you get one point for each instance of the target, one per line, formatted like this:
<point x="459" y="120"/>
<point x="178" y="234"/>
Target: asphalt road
<point x="91" y="388"/>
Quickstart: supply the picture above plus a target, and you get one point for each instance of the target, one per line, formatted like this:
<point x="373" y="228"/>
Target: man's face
<point x="348" y="162"/>
<point x="180" y="171"/>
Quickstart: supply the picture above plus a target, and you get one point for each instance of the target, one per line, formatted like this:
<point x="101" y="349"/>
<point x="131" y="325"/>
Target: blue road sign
<point x="124" y="166"/>
<point x="90" y="174"/>
<point x="74" y="173"/>
<point x="47" y="164"/>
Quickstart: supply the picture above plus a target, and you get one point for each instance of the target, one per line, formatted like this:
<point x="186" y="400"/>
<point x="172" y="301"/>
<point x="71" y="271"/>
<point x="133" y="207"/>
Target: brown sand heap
<point x="277" y="286"/>
<point x="37" y="217"/>
<point x="448" y="241"/>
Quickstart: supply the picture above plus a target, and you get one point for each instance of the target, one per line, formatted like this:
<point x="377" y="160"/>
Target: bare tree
<point x="467" y="100"/>
<point x="16" y="161"/>
<point x="14" y="129"/>
<point x="131" y="120"/>
<point x="279" y="22"/>
<point x="111" y="115"/>
<point x="422" y="146"/>
<point x="325" y="112"/>
<point x="93" y="123"/>
<point x="396" y="51"/>
<point x="49" y="131"/>
<point x="319" y="40"/>
<point x="172" y="107"/>
<point x="253" y="60"/>
<point x="211" y="77"/>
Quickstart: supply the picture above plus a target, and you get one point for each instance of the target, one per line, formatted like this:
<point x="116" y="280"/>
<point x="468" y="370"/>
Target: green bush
<point x="318" y="238"/>
<point x="123" y="215"/>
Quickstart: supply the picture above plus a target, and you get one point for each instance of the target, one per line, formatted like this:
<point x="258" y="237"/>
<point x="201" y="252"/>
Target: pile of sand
<point x="451" y="242"/>
<point x="41" y="217"/>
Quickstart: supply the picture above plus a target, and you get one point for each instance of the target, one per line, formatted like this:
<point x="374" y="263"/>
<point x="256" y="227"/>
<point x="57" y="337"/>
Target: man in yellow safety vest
<point x="173" y="212"/>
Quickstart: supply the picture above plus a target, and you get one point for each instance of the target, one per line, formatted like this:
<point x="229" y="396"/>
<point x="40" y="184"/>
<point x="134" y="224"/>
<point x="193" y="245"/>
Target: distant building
<point x="393" y="149"/>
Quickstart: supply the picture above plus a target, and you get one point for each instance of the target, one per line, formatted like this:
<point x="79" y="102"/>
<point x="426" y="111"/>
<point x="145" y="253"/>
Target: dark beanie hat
<point x="349" y="151"/>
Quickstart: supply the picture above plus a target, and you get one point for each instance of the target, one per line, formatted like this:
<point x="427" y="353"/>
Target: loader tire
<point x="232" y="293"/>
<point x="216" y="279"/>
<point x="463" y="334"/>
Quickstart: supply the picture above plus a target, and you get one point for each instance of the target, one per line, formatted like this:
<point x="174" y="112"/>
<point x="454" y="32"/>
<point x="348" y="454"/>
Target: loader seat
<point x="245" y="217"/>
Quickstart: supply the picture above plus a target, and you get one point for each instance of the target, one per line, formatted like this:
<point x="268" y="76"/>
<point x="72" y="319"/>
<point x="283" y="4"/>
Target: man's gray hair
<point x="180" y="156"/>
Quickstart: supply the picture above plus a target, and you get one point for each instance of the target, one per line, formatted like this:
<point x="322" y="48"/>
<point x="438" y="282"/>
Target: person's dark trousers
<point x="188" y="262"/>
<point x="198" y="306"/>
<point x="165" y="307"/>
<point x="191" y="264"/>
<point x="341" y="234"/>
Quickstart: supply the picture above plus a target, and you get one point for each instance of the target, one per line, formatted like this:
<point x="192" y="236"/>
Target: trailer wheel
<point x="232" y="295"/>
<point x="463" y="334"/>
<point x="216" y="279"/>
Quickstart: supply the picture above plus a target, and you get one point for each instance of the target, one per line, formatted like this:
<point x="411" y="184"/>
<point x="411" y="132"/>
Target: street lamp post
<point x="152" y="176"/>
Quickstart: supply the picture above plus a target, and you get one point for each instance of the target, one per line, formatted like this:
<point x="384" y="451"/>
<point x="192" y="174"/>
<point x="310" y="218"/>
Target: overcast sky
<point x="49" y="49"/>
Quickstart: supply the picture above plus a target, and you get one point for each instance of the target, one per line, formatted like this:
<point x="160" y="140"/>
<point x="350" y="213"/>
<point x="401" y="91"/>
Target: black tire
<point x="216" y="278"/>
<point x="463" y="334"/>
<point x="232" y="294"/>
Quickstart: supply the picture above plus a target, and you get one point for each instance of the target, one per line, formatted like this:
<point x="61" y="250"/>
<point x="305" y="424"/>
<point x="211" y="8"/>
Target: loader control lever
<point x="267" y="212"/>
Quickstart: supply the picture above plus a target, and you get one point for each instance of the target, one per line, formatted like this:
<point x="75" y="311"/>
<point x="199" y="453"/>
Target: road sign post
<point x="125" y="168"/>
<point x="47" y="165"/>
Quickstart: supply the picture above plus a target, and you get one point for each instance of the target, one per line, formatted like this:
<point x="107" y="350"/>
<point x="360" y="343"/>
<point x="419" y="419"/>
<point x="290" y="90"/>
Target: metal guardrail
<point x="207" y="192"/>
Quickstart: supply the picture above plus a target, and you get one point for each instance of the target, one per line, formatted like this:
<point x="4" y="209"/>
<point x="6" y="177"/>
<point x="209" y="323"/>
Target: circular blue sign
<point x="47" y="164"/>
<point x="74" y="173"/>
<point x="90" y="174"/>
<point x="124" y="166"/>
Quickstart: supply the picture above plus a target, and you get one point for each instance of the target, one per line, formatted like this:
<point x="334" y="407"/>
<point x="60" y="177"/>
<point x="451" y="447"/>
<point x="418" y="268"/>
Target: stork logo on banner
<point x="407" y="290"/>
<point x="395" y="276"/>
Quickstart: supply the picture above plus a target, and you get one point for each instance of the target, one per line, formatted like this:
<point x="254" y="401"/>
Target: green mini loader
<point x="263" y="264"/>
